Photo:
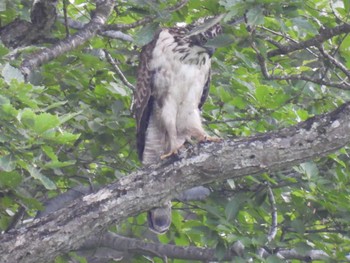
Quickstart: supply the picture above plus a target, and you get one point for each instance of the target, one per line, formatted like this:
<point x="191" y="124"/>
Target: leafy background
<point x="72" y="124"/>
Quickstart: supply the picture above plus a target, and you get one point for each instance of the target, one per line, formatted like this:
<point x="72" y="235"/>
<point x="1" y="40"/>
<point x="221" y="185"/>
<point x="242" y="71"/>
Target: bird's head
<point x="204" y="29"/>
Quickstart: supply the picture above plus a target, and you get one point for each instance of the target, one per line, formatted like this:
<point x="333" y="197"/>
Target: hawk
<point x="173" y="81"/>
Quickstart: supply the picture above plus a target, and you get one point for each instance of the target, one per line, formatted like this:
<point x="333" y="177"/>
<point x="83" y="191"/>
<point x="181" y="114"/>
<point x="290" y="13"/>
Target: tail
<point x="155" y="143"/>
<point x="159" y="218"/>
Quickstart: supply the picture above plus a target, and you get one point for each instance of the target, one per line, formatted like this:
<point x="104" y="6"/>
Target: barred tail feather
<point x="155" y="143"/>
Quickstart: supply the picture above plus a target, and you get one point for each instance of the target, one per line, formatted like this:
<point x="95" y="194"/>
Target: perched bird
<point x="173" y="82"/>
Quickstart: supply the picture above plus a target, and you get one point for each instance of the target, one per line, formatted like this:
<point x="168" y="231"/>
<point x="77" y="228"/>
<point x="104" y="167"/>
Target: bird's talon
<point x="164" y="156"/>
<point x="212" y="139"/>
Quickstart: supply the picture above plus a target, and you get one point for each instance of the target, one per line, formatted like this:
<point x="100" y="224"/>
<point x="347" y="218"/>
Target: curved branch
<point x="124" y="246"/>
<point x="273" y="229"/>
<point x="103" y="10"/>
<point x="115" y="34"/>
<point x="321" y="81"/>
<point x="111" y="61"/>
<point x="133" y="245"/>
<point x="334" y="61"/>
<point x="325" y="34"/>
<point x="67" y="229"/>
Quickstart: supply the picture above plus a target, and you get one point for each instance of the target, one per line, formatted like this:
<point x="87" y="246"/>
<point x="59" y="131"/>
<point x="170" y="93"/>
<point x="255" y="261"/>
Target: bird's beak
<point x="210" y="50"/>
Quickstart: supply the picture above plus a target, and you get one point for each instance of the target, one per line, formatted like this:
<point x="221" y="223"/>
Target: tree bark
<point x="111" y="245"/>
<point x="21" y="33"/>
<point x="101" y="14"/>
<point x="68" y="228"/>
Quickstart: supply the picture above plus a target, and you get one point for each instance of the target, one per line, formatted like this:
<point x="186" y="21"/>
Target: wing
<point x="142" y="96"/>
<point x="205" y="92"/>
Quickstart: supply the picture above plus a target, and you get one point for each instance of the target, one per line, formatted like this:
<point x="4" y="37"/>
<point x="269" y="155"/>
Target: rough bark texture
<point x="20" y="33"/>
<point x="111" y="245"/>
<point x="68" y="228"/>
<point x="325" y="34"/>
<point x="101" y="14"/>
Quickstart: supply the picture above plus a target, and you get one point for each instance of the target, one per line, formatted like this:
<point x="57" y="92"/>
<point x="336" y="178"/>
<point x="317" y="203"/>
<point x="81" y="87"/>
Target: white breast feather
<point x="178" y="84"/>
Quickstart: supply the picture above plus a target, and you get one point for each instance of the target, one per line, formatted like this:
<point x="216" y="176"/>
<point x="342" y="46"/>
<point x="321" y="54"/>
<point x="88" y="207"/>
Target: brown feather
<point x="142" y="95"/>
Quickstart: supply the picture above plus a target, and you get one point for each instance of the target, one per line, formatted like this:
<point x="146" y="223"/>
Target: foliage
<point x="72" y="124"/>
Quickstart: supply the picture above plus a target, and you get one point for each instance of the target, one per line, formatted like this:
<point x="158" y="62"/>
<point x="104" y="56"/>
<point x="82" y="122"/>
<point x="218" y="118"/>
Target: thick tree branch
<point x="103" y="10"/>
<point x="133" y="245"/>
<point x="115" y="34"/>
<point x="325" y="34"/>
<point x="68" y="228"/>
<point x="20" y="33"/>
<point x="125" y="246"/>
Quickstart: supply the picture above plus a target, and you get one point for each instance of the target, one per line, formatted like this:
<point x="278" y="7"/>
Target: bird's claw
<point x="208" y="138"/>
<point x="164" y="156"/>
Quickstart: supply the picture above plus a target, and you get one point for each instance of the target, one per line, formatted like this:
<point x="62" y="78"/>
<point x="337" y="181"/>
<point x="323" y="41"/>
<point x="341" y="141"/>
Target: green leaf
<point x="50" y="152"/>
<point x="206" y="25"/>
<point x="229" y="4"/>
<point x="66" y="137"/>
<point x="8" y="111"/>
<point x="146" y="34"/>
<point x="310" y="169"/>
<point x="9" y="73"/>
<point x="220" y="250"/>
<point x="117" y="89"/>
<point x="7" y="163"/>
<point x="36" y="174"/>
<point x="298" y="225"/>
<point x="69" y="116"/>
<point x="38" y="123"/>
<point x="346" y="5"/>
<point x="232" y="208"/>
<point x="304" y="26"/>
<point x="58" y="164"/>
<point x="255" y="16"/>
<point x="4" y="100"/>
<point x="44" y="122"/>
<point x="27" y="117"/>
<point x="31" y="203"/>
<point x="274" y="259"/>
<point x="55" y="105"/>
<point x="10" y="179"/>
<point x="4" y="221"/>
<point x="302" y="248"/>
<point x="220" y="41"/>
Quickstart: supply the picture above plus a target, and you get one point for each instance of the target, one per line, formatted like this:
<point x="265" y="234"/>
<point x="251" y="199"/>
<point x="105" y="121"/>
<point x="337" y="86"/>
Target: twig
<point x="273" y="229"/>
<point x="138" y="23"/>
<point x="279" y="45"/>
<point x="118" y="71"/>
<point x="232" y="120"/>
<point x="65" y="17"/>
<point x="335" y="62"/>
<point x="145" y="20"/>
<point x="261" y="60"/>
<point x="117" y="35"/>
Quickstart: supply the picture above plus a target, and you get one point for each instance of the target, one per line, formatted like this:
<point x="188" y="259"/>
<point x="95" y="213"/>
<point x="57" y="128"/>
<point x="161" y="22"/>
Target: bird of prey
<point x="173" y="81"/>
